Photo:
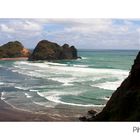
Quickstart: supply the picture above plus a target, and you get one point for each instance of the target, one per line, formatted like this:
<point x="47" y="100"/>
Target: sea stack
<point x="13" y="50"/>
<point x="46" y="50"/>
<point x="124" y="104"/>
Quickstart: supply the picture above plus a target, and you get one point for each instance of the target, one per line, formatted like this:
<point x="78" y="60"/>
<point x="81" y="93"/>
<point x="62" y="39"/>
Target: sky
<point x="84" y="33"/>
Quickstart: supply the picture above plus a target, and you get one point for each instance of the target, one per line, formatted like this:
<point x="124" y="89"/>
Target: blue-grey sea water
<point x="86" y="82"/>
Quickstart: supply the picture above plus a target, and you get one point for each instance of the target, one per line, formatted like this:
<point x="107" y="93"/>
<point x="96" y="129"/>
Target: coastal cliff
<point x="124" y="104"/>
<point x="46" y="50"/>
<point x="13" y="50"/>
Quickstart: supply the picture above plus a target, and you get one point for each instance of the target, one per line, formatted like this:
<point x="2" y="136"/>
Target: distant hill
<point x="13" y="49"/>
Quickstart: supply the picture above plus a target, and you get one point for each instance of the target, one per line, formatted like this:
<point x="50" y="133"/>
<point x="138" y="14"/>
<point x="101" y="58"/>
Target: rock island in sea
<point x="46" y="50"/>
<point x="13" y="50"/>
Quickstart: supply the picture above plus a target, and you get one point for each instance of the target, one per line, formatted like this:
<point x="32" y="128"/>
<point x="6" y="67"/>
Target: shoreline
<point x="8" y="113"/>
<point x="14" y="59"/>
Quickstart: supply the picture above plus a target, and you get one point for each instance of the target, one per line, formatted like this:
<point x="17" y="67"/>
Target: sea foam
<point x="2" y="95"/>
<point x="108" y="85"/>
<point x="1" y="83"/>
<point x="71" y="70"/>
<point x="27" y="95"/>
<point x="67" y="75"/>
<point x="57" y="99"/>
<point x="22" y="88"/>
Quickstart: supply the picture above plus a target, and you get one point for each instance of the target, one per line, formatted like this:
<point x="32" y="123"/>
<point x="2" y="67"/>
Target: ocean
<point x="86" y="83"/>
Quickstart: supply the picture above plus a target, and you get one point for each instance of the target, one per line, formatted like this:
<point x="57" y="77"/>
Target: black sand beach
<point x="8" y="113"/>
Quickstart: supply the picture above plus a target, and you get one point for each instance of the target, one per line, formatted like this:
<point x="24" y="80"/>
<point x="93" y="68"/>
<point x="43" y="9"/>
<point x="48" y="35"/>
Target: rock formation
<point x="69" y="52"/>
<point x="46" y="50"/>
<point x="124" y="104"/>
<point x="13" y="50"/>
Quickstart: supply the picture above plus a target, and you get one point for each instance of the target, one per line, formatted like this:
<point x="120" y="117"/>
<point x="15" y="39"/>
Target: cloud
<point x="5" y="28"/>
<point x="103" y="33"/>
<point x="83" y="33"/>
<point x="20" y="26"/>
<point x="31" y="26"/>
<point x="89" y="26"/>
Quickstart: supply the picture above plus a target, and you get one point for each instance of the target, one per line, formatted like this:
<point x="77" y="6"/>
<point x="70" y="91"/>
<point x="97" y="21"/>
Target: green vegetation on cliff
<point x="13" y="50"/>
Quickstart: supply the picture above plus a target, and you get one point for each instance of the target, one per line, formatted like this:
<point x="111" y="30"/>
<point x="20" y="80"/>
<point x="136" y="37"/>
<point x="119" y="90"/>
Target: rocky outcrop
<point x="13" y="50"/>
<point x="89" y="116"/>
<point x="124" y="104"/>
<point x="25" y="52"/>
<point x="69" y="52"/>
<point x="46" y="50"/>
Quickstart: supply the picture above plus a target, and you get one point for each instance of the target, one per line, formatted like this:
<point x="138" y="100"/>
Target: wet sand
<point x="8" y="113"/>
<point x="59" y="113"/>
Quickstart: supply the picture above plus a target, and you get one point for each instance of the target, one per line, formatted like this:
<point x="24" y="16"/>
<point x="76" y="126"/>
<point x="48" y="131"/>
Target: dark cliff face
<point x="46" y="50"/>
<point x="69" y="52"/>
<point x="124" y="105"/>
<point x="13" y="49"/>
